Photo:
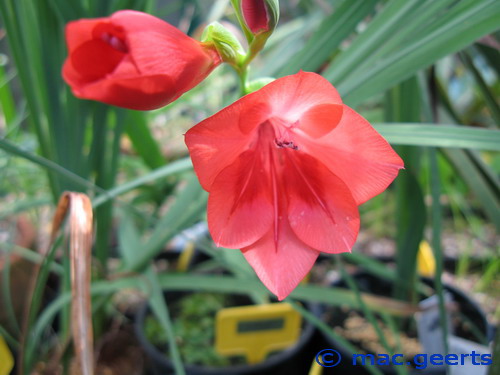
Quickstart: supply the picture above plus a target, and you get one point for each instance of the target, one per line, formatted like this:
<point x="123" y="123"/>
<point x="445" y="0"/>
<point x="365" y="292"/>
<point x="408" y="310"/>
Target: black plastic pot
<point x="295" y="360"/>
<point x="372" y="284"/>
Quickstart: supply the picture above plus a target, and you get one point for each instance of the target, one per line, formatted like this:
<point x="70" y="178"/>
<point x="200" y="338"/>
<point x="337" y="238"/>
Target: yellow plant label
<point x="256" y="331"/>
<point x="185" y="257"/>
<point x="426" y="262"/>
<point x="6" y="359"/>
<point x="315" y="369"/>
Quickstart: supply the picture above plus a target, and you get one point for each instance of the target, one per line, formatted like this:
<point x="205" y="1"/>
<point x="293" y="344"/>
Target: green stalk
<point x="243" y="75"/>
<point x="11" y="341"/>
<point x="6" y="291"/>
<point x="402" y="370"/>
<point x="241" y="21"/>
<point x="255" y="44"/>
<point x="7" y="104"/>
<point x="102" y="215"/>
<point x="50" y="166"/>
<point x="34" y="257"/>
<point x="16" y="27"/>
<point x="436" y="241"/>
<point x="162" y="313"/>
<point x="489" y="96"/>
<point x="27" y="352"/>
<point x="175" y="167"/>
<point x="104" y="161"/>
<point x="107" y="170"/>
<point x="65" y="288"/>
<point x="403" y="104"/>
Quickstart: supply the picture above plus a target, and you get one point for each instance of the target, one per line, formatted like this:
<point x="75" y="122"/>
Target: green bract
<point x="273" y="7"/>
<point x="227" y="45"/>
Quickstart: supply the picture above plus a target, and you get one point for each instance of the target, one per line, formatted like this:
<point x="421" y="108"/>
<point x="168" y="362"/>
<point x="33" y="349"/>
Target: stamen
<point x="286" y="144"/>
<point x="283" y="134"/>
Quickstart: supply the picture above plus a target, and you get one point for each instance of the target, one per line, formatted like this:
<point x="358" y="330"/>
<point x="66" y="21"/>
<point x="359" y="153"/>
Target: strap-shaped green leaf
<point x="441" y="136"/>
<point x="409" y="42"/>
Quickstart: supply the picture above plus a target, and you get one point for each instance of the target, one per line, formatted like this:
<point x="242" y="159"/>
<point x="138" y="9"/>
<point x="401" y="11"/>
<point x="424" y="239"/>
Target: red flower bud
<point x="259" y="15"/>
<point x="133" y="60"/>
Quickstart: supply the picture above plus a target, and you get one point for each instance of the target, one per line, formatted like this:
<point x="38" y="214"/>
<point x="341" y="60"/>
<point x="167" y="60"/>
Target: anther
<point x="286" y="144"/>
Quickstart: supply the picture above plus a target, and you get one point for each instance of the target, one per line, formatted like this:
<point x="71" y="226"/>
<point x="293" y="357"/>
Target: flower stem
<point x="255" y="45"/>
<point x="243" y="74"/>
<point x="248" y="33"/>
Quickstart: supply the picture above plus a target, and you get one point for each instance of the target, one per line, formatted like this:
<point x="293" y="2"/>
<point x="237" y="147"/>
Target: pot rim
<point x="269" y="363"/>
<point x="389" y="369"/>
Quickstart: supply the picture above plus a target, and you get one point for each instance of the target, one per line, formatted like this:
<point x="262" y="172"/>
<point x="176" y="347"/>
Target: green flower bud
<point x="226" y="44"/>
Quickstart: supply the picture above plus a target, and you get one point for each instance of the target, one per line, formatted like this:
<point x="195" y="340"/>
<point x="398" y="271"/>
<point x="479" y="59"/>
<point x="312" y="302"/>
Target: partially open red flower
<point x="286" y="168"/>
<point x="133" y="60"/>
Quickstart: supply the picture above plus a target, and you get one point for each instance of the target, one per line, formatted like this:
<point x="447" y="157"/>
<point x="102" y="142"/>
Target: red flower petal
<point x="95" y="59"/>
<point x="241" y="193"/>
<point x="135" y="22"/>
<point x="280" y="265"/>
<point x="217" y="141"/>
<point x="321" y="119"/>
<point x="139" y="93"/>
<point x="253" y="113"/>
<point x="80" y="31"/>
<point x="321" y="209"/>
<point x="358" y="155"/>
<point x="292" y="96"/>
<point x="159" y="48"/>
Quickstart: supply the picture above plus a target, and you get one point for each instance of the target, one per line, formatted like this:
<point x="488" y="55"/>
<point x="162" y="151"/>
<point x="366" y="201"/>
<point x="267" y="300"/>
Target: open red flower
<point x="286" y="168"/>
<point x="133" y="60"/>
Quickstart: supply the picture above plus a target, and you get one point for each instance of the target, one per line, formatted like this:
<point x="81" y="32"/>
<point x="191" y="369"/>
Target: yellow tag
<point x="185" y="257"/>
<point x="425" y="260"/>
<point x="315" y="369"/>
<point x="6" y="359"/>
<point x="256" y="331"/>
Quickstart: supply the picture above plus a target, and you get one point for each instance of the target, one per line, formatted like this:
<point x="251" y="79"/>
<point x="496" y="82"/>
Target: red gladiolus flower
<point x="286" y="168"/>
<point x="133" y="60"/>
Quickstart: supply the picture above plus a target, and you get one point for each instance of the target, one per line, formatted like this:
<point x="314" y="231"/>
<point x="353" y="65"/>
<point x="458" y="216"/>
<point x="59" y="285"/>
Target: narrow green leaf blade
<point x="482" y="190"/>
<point x="440" y="136"/>
<point x="464" y="23"/>
<point x="332" y="31"/>
<point x="144" y="144"/>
